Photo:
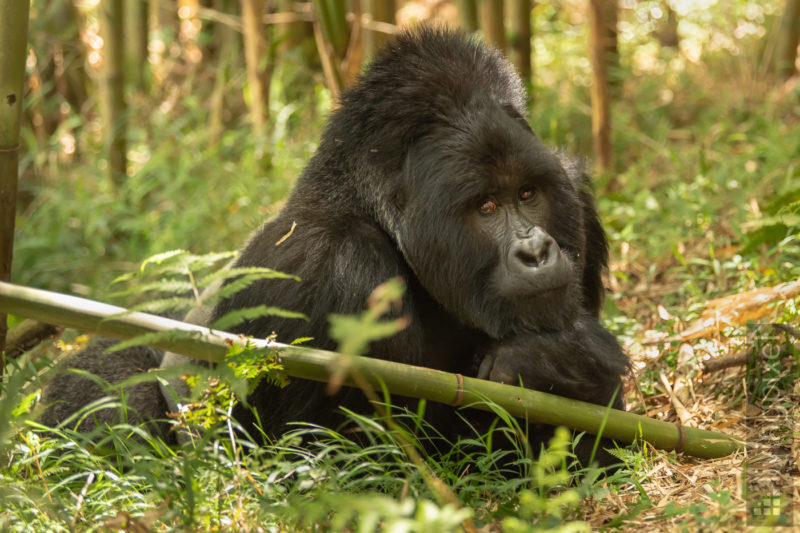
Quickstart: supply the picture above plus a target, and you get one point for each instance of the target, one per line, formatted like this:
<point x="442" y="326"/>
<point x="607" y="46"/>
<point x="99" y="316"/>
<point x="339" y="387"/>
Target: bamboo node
<point x="10" y="149"/>
<point x="459" y="390"/>
<point x="681" y="438"/>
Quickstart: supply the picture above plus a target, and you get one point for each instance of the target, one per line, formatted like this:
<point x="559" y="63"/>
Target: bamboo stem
<point x="603" y="36"/>
<point x="492" y="21"/>
<point x="114" y="107"/>
<point x="14" y="37"/>
<point x="327" y="56"/>
<point x="520" y="38"/>
<point x="255" y="48"/>
<point x="787" y="41"/>
<point x="468" y="14"/>
<point x="382" y="11"/>
<point x="136" y="30"/>
<point x="400" y="379"/>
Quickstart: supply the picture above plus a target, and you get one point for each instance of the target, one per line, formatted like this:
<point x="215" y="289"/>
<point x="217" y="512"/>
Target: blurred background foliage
<point x="705" y="137"/>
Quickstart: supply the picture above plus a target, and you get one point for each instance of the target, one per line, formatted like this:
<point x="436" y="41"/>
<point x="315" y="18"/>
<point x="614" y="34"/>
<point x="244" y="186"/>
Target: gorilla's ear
<point x="512" y="112"/>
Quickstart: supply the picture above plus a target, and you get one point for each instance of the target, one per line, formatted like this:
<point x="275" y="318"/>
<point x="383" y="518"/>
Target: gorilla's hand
<point x="583" y="362"/>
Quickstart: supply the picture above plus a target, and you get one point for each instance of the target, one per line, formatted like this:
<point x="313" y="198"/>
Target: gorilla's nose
<point x="535" y="250"/>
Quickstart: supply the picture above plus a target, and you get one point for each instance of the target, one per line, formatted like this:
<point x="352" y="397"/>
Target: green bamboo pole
<point x="400" y="379"/>
<point x="331" y="44"/>
<point x="13" y="51"/>
<point x="337" y="30"/>
<point x="468" y="14"/>
<point x="114" y="108"/>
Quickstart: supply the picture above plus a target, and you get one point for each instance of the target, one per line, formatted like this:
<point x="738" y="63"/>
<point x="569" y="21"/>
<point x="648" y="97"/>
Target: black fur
<point x="67" y="391"/>
<point x="428" y="171"/>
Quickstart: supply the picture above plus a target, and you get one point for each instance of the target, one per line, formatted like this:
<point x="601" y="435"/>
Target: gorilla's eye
<point x="487" y="207"/>
<point x="527" y="193"/>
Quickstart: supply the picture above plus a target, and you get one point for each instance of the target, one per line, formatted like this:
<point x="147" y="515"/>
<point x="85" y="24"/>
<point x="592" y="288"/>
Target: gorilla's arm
<point x="340" y="259"/>
<point x="66" y="392"/>
<point x="585" y="362"/>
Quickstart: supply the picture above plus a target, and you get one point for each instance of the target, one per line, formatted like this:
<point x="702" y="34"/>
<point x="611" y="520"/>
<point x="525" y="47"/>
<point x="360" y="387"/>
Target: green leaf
<point x="165" y="305"/>
<point x="228" y="273"/>
<point x="164" y="286"/>
<point x="160" y="258"/>
<point x="154" y="338"/>
<point x="234" y="318"/>
<point x="237" y="285"/>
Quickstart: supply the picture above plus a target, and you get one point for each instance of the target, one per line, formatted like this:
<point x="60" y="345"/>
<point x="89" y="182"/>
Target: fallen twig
<point x="728" y="361"/>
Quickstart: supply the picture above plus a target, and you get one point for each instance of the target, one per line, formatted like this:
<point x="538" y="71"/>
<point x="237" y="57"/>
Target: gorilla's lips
<point x="549" y="292"/>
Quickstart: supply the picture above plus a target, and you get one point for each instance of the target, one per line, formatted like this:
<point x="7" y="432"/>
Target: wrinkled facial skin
<point x="502" y="250"/>
<point x="532" y="271"/>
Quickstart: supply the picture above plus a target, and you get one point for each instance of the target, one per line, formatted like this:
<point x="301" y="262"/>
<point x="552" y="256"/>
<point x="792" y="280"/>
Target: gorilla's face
<point x="493" y="225"/>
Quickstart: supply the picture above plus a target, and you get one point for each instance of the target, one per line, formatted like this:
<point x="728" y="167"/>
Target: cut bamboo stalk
<point x="401" y="379"/>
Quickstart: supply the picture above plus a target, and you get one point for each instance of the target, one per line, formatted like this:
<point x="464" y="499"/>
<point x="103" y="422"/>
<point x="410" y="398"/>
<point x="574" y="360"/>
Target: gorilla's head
<point x="486" y="216"/>
<point x="492" y="225"/>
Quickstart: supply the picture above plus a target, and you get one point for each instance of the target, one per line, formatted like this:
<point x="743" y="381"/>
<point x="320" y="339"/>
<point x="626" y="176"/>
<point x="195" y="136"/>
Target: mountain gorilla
<point x="428" y="171"/>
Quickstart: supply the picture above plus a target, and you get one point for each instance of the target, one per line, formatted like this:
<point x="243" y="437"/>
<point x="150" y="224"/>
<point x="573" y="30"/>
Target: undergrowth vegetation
<point x="368" y="473"/>
<point x="705" y="203"/>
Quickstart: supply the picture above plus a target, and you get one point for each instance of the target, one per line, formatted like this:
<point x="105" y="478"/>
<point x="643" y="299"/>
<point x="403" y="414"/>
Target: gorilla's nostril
<point x="527" y="258"/>
<point x="534" y="251"/>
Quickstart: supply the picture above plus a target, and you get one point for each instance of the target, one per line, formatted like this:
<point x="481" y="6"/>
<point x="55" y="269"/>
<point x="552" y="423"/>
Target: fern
<point x="170" y="286"/>
<point x="172" y="336"/>
<point x="234" y="318"/>
<point x="166" y="305"/>
<point x="228" y="273"/>
<point x="158" y="259"/>
<point x="234" y="287"/>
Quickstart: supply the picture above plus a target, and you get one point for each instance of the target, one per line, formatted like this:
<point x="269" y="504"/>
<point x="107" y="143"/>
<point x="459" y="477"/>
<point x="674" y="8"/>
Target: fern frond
<point x="234" y="318"/>
<point x="173" y="336"/>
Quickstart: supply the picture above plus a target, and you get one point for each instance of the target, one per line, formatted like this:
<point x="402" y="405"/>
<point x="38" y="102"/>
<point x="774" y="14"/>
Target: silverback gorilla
<point x="427" y="171"/>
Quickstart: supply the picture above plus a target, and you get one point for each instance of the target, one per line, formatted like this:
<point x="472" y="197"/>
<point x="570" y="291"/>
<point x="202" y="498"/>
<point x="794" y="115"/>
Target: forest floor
<point x="713" y="386"/>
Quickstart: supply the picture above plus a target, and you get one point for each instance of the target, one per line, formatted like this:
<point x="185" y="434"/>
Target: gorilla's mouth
<point x="532" y="290"/>
<point x="549" y="291"/>
<point x="549" y="308"/>
<point x="546" y="301"/>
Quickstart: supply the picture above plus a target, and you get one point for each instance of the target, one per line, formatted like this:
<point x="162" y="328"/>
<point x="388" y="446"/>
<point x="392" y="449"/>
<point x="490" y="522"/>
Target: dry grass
<point x="748" y="489"/>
